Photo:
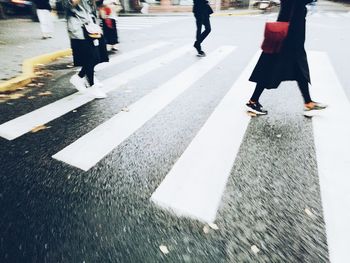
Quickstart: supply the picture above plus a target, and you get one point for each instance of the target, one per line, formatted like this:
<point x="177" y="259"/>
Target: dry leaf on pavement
<point x="213" y="226"/>
<point x="206" y="229"/>
<point x="126" y="109"/>
<point x="251" y="114"/>
<point x="45" y="93"/>
<point x="40" y="128"/>
<point x="309" y="213"/>
<point x="255" y="249"/>
<point x="15" y="96"/>
<point x="164" y="249"/>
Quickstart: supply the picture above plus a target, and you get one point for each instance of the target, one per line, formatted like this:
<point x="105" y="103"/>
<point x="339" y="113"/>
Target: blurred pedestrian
<point x="288" y="64"/>
<point x="43" y="10"/>
<point x="202" y="12"/>
<point x="88" y="45"/>
<point x="109" y="13"/>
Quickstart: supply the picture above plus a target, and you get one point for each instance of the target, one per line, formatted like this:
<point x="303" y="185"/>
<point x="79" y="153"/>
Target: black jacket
<point x="201" y="7"/>
<point x="291" y="63"/>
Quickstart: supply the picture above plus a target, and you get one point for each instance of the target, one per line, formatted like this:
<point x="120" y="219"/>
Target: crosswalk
<point x="195" y="184"/>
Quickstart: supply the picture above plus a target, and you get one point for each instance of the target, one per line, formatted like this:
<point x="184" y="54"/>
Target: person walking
<point x="88" y="45"/>
<point x="289" y="64"/>
<point x="43" y="10"/>
<point x="109" y="13"/>
<point x="202" y="12"/>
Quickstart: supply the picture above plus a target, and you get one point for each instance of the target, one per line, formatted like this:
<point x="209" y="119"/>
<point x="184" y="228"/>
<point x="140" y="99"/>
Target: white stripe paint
<point x="129" y="55"/>
<point x="332" y="15"/>
<point x="92" y="147"/>
<point x="332" y="141"/>
<point x="195" y="184"/>
<point x="17" y="127"/>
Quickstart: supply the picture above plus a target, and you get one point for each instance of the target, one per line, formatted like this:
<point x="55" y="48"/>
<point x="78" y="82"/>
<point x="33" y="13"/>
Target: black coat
<point x="201" y="8"/>
<point x="291" y="63"/>
<point x="42" y="4"/>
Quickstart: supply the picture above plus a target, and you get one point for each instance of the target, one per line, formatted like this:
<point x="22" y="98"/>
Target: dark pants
<point x="88" y="71"/>
<point x="202" y="20"/>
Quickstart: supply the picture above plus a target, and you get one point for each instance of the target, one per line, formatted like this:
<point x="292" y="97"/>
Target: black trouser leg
<point x="257" y="92"/>
<point x="88" y="71"/>
<point x="82" y="72"/>
<point x="207" y="28"/>
<point x="90" y="74"/>
<point x="202" y="20"/>
<point x="304" y="89"/>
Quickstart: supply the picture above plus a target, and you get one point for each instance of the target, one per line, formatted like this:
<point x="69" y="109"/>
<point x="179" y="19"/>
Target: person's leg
<point x="257" y="93"/>
<point x="304" y="89"/>
<point x="207" y="28"/>
<point x="89" y="71"/>
<point x="253" y="105"/>
<point x="199" y="29"/>
<point x="82" y="72"/>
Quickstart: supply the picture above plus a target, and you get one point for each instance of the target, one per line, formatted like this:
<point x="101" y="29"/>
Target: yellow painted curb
<point x="28" y="67"/>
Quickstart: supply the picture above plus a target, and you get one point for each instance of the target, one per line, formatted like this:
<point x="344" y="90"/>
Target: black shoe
<point x="256" y="107"/>
<point x="201" y="54"/>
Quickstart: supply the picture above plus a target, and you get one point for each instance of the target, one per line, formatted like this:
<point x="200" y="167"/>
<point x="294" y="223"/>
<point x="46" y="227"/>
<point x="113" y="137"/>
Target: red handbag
<point x="274" y="35"/>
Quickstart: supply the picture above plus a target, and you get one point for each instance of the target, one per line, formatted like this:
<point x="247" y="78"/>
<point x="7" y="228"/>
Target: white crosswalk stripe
<point x="137" y="23"/>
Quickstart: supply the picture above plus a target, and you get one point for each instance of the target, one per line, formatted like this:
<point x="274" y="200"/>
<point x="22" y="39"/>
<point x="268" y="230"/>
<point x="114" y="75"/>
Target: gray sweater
<point x="78" y="15"/>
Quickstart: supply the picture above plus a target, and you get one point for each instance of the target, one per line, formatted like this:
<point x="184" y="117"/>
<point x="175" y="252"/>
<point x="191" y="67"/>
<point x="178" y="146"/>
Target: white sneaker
<point x="78" y="82"/>
<point x="96" y="92"/>
<point x="97" y="82"/>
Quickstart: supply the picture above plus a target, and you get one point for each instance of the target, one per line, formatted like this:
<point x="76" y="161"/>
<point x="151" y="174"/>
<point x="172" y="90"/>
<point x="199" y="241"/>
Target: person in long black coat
<point x="202" y="11"/>
<point x="289" y="64"/>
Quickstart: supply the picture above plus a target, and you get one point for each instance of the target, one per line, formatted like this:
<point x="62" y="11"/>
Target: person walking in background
<point x="43" y="10"/>
<point x="88" y="45"/>
<point x="109" y="13"/>
<point x="289" y="64"/>
<point x="202" y="12"/>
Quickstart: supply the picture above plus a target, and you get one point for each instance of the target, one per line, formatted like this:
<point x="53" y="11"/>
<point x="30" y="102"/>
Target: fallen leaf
<point x="15" y="96"/>
<point x="31" y="97"/>
<point x="251" y="114"/>
<point x="40" y="128"/>
<point x="213" y="226"/>
<point x="309" y="213"/>
<point x="206" y="229"/>
<point x="126" y="109"/>
<point x="31" y="85"/>
<point x="45" y="93"/>
<point x="164" y="249"/>
<point x="255" y="249"/>
<point x="3" y="96"/>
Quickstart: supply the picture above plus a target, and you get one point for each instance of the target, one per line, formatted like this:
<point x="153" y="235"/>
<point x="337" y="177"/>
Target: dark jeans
<point x="202" y="20"/>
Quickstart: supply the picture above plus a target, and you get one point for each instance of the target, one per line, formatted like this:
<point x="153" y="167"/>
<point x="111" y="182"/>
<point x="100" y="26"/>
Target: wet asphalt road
<point x="52" y="212"/>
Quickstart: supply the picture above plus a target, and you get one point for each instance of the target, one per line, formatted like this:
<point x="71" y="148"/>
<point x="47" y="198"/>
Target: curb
<point x="243" y="13"/>
<point x="28" y="67"/>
